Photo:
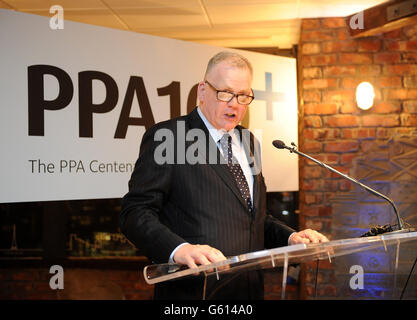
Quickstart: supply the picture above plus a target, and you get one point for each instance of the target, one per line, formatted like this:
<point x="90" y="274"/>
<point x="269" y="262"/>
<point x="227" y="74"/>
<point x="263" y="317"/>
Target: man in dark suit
<point x="197" y="193"/>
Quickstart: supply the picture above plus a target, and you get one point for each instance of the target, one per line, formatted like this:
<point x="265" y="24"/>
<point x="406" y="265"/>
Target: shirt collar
<point x="215" y="133"/>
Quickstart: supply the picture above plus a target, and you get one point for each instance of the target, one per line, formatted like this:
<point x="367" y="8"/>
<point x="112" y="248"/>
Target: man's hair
<point x="234" y="59"/>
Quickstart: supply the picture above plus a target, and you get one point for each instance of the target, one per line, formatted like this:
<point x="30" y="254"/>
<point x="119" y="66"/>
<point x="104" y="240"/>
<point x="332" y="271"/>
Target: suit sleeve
<point x="149" y="188"/>
<point x="276" y="232"/>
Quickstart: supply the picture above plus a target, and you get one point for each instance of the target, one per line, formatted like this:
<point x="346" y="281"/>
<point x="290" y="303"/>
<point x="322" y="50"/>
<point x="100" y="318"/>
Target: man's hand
<point x="193" y="255"/>
<point x="307" y="236"/>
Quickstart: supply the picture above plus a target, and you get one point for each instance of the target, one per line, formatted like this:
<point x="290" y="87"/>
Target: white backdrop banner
<point x="76" y="101"/>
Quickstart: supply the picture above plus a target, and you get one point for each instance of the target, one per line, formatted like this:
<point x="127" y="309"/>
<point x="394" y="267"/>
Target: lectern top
<point x="277" y="257"/>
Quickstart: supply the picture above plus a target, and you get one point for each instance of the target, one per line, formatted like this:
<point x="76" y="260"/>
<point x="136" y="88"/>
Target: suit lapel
<point x="253" y="156"/>
<point x="256" y="190"/>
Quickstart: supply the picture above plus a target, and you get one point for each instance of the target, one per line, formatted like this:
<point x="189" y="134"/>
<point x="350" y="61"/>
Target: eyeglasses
<point x="227" y="96"/>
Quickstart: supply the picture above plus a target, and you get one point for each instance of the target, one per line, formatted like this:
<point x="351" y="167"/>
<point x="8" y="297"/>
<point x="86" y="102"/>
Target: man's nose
<point x="234" y="102"/>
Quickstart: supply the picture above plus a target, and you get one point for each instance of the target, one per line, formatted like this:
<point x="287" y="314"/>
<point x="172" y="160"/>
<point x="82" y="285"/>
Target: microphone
<point x="279" y="144"/>
<point x="374" y="231"/>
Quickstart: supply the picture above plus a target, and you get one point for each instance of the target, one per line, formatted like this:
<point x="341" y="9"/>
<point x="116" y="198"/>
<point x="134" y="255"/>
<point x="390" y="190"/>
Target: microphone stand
<point x="281" y="145"/>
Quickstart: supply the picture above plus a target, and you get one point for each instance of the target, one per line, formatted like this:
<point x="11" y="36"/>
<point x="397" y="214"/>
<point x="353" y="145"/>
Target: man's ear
<point x="201" y="90"/>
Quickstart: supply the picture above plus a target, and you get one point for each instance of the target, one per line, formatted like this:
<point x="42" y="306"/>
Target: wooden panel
<point x="374" y="21"/>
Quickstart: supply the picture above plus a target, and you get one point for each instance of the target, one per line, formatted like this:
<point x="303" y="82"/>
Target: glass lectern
<point x="295" y="254"/>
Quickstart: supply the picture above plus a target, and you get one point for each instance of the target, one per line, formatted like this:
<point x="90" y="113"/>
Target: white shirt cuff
<point x="288" y="238"/>
<point x="171" y="257"/>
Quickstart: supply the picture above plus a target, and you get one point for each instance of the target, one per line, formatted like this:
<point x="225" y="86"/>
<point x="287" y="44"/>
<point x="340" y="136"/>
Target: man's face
<point x="224" y="115"/>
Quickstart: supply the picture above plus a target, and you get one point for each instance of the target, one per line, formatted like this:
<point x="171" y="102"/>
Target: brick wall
<point x="101" y="284"/>
<point x="79" y="284"/>
<point x="332" y="128"/>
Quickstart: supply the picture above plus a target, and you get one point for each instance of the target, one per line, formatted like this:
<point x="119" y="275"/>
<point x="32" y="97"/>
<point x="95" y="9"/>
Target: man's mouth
<point x="231" y="115"/>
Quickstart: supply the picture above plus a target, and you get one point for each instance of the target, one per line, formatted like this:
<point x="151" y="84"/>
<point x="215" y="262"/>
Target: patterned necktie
<point x="236" y="170"/>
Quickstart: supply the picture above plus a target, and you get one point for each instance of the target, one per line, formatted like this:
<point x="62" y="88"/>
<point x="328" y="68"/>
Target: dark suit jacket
<point x="170" y="204"/>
